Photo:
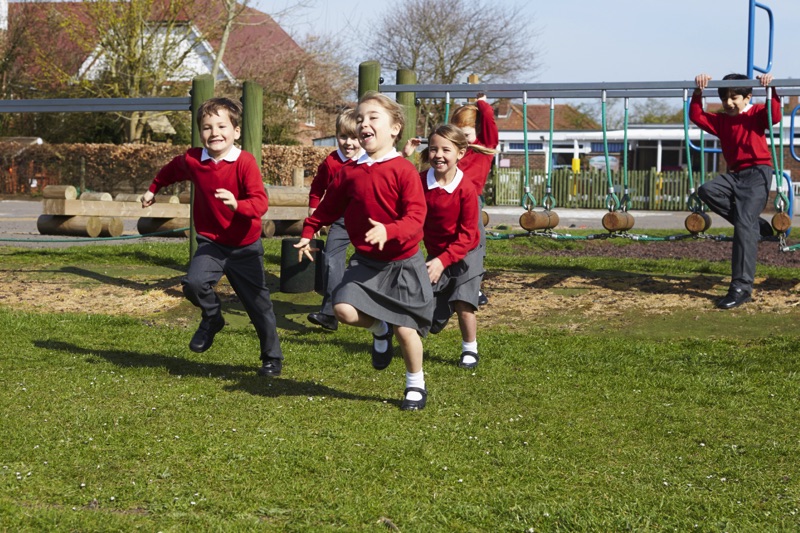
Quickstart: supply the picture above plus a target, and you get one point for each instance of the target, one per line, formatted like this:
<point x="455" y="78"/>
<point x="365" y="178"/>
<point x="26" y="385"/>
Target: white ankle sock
<point x="416" y="379"/>
<point x="379" y="327"/>
<point x="469" y="347"/>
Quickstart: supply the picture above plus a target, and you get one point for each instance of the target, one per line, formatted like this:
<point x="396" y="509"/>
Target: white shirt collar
<point x="343" y="158"/>
<point x="450" y="187"/>
<point x="231" y="156"/>
<point x="365" y="158"/>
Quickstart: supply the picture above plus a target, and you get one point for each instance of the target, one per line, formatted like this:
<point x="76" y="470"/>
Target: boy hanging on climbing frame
<point x="740" y="194"/>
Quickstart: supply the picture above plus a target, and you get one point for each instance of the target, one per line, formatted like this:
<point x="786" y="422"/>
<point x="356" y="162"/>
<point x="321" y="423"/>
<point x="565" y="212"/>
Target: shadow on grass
<point x="247" y="380"/>
<point x="162" y="283"/>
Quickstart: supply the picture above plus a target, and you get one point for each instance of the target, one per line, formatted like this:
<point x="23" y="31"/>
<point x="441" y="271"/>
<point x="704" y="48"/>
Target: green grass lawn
<point x="110" y="423"/>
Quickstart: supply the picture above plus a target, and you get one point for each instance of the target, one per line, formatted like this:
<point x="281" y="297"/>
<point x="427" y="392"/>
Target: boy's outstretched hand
<point x="765" y="79"/>
<point x="147" y="199"/>
<point x="701" y="81"/>
<point x="304" y="249"/>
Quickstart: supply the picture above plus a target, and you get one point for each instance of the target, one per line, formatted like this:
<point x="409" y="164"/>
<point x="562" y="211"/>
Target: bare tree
<point x="444" y="41"/>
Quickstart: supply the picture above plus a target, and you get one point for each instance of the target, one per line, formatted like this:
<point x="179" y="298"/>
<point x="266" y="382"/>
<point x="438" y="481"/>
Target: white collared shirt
<point x="450" y="187"/>
<point x="343" y="158"/>
<point x="365" y="158"/>
<point x="231" y="156"/>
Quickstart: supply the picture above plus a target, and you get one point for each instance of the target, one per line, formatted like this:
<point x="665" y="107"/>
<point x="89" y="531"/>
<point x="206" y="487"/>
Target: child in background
<point x="739" y="195"/>
<point x="478" y="124"/>
<point x="386" y="288"/>
<point x="452" y="238"/>
<point x="229" y="201"/>
<point x="337" y="241"/>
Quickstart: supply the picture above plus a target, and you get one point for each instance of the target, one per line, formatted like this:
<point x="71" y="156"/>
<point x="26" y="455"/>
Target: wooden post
<point x="369" y="77"/>
<point x="202" y="90"/>
<point x="408" y="101"/>
<point x="252" y="119"/>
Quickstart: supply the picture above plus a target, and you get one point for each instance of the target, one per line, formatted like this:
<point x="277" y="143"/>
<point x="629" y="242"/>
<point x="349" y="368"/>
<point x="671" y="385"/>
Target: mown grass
<point x="112" y="424"/>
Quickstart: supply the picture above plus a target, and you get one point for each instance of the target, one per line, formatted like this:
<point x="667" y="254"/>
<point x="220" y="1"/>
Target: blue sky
<point x="610" y="40"/>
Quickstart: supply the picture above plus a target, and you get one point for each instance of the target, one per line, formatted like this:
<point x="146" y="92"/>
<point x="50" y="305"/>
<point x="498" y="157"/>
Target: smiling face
<point x="348" y="145"/>
<point x="443" y="155"/>
<point x="218" y="133"/>
<point x="376" y="129"/>
<point x="734" y="104"/>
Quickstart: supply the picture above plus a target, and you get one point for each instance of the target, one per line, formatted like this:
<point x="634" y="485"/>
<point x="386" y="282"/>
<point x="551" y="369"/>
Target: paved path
<point x="18" y="223"/>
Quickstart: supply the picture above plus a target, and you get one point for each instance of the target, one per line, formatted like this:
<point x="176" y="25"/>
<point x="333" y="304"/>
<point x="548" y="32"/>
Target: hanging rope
<point x="548" y="201"/>
<point x="527" y="201"/>
<point x="625" y="201"/>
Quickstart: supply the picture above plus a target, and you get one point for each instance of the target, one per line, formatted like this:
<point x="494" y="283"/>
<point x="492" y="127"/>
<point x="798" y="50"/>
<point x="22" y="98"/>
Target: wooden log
<point x="298" y="177"/>
<point x="185" y="197"/>
<point x="166" y="199"/>
<point x="291" y="228"/>
<point x="781" y="222"/>
<point x="148" y="225"/>
<point x="73" y="226"/>
<point x="96" y="197"/>
<point x="697" y="222"/>
<point x="111" y="226"/>
<point x="128" y="197"/>
<point x="618" y="221"/>
<point x="54" y="206"/>
<point x="267" y="228"/>
<point x="62" y="192"/>
<point x="536" y="220"/>
<point x="485" y="218"/>
<point x="286" y="212"/>
<point x="287" y="196"/>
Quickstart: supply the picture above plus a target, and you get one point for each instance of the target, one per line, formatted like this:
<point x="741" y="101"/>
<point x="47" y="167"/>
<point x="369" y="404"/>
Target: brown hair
<point x="449" y="132"/>
<point x="395" y="110"/>
<point x="212" y="106"/>
<point x="346" y="123"/>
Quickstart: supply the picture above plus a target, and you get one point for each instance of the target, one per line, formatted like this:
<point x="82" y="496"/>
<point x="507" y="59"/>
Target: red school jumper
<point x="451" y="227"/>
<point x="388" y="191"/>
<point x="326" y="172"/>
<point x="238" y="172"/>
<point x="742" y="137"/>
<point x="476" y="166"/>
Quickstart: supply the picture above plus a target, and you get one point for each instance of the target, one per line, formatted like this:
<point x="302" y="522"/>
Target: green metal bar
<point x="407" y="100"/>
<point x="612" y="202"/>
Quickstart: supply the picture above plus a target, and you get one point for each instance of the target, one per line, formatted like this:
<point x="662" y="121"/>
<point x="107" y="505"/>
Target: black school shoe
<point x="414" y="405"/>
<point x="381" y="360"/>
<point x="203" y="338"/>
<point x="271" y="368"/>
<point x="734" y="298"/>
<point x="322" y="320"/>
<point x="482" y="299"/>
<point x="462" y="364"/>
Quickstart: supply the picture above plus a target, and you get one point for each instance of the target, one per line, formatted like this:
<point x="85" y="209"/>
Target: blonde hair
<point x="212" y="106"/>
<point x="396" y="112"/>
<point x="346" y="123"/>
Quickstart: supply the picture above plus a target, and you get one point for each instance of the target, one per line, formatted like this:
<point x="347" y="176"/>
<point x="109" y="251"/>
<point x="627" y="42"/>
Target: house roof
<point x="256" y="46"/>
<point x="509" y="117"/>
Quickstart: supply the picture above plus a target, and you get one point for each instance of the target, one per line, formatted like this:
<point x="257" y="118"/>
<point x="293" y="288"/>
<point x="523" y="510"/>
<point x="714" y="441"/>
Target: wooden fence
<point x="648" y="190"/>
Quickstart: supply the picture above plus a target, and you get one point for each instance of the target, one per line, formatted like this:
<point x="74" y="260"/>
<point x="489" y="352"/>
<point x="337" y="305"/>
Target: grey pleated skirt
<point x="397" y="292"/>
<point x="460" y="281"/>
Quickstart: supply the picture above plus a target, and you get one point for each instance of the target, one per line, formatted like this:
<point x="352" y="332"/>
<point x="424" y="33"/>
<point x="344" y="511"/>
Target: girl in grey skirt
<point x="452" y="238"/>
<point x="386" y="287"/>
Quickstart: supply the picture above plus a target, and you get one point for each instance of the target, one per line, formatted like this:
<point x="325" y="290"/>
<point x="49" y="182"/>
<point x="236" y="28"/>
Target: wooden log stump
<point x="148" y="225"/>
<point x="166" y="199"/>
<point x="96" y="197"/>
<point x="128" y="197"/>
<point x="267" y="228"/>
<point x="618" y="221"/>
<point x="60" y="192"/>
<point x="185" y="197"/>
<point x="292" y="228"/>
<point x="111" y="226"/>
<point x="72" y="226"/>
<point x="697" y="222"/>
<point x="485" y="218"/>
<point x="781" y="222"/>
<point x="537" y="220"/>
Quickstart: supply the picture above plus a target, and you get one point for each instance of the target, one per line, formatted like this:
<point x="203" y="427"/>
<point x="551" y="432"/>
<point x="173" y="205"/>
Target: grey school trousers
<point x="244" y="268"/>
<point x="740" y="197"/>
<point x="334" y="259"/>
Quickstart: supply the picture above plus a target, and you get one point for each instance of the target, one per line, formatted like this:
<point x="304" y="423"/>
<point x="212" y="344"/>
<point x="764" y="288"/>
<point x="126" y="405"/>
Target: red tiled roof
<point x="509" y="117"/>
